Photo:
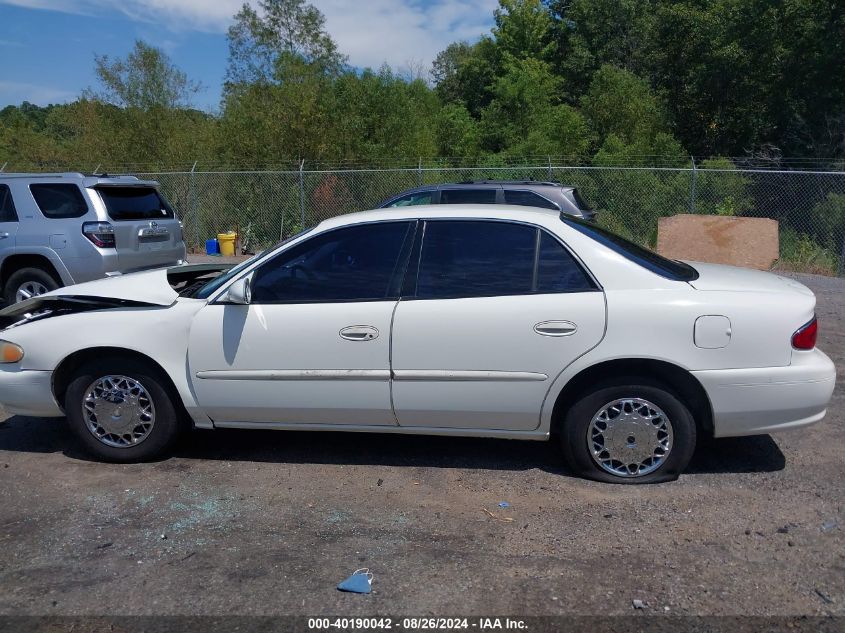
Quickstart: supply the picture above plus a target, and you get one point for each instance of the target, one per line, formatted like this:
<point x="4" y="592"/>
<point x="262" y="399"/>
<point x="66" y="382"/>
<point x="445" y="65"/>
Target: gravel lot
<point x="252" y="522"/>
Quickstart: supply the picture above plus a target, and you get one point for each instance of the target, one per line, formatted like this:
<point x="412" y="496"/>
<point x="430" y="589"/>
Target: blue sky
<point x="47" y="47"/>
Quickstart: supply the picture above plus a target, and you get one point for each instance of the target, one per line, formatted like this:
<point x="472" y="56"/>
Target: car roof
<point x="423" y="211"/>
<point x="520" y="183"/>
<point x="94" y="180"/>
<point x="468" y="184"/>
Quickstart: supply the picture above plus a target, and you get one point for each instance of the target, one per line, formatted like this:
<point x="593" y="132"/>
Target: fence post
<point x="419" y="173"/>
<point x="192" y="194"/>
<point x="841" y="271"/>
<point x="692" y="186"/>
<point x="3" y="168"/>
<point x="301" y="196"/>
<point x="550" y="168"/>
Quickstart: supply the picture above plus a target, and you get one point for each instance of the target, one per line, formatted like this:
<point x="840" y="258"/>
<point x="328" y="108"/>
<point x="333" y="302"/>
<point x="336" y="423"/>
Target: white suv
<point x="61" y="229"/>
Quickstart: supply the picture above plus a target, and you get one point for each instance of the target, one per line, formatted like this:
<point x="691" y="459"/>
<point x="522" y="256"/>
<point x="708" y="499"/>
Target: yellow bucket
<point x="227" y="243"/>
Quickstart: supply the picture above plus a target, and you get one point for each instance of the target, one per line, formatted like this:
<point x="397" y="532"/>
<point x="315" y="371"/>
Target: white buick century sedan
<point x="491" y="321"/>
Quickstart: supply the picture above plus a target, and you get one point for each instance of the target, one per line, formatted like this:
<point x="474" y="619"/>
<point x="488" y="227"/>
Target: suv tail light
<point x="805" y="336"/>
<point x="100" y="234"/>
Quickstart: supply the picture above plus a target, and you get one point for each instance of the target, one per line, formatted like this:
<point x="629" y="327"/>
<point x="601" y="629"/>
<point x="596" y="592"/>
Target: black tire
<point x="576" y="424"/>
<point x="167" y="426"/>
<point x="25" y="275"/>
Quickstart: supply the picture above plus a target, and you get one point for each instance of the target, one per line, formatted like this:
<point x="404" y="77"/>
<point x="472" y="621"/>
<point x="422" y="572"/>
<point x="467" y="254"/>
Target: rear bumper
<point x="28" y="392"/>
<point x="769" y="399"/>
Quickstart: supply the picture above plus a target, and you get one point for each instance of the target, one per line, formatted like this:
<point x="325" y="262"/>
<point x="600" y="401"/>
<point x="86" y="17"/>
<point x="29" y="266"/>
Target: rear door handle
<point x="3" y="236"/>
<point x="359" y="333"/>
<point x="555" y="328"/>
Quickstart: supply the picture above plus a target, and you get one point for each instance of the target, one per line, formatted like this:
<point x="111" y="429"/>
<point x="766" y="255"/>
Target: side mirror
<point x="240" y="292"/>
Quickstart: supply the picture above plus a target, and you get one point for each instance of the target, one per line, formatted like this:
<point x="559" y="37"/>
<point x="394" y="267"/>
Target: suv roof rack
<point x="510" y="182"/>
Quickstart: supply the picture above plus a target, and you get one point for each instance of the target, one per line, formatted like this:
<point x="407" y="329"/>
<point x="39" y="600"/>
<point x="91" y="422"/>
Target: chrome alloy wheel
<point x="30" y="289"/>
<point x="630" y="437"/>
<point x="118" y="411"/>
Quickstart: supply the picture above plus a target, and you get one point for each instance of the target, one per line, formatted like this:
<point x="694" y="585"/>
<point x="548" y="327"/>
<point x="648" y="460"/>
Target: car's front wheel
<point x="631" y="433"/>
<point x="123" y="410"/>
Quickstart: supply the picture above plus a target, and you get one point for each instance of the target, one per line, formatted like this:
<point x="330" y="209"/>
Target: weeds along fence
<point x="265" y="206"/>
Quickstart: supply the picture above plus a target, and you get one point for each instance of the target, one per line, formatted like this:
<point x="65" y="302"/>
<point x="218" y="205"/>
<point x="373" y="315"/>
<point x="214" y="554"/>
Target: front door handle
<point x="359" y="333"/>
<point x="555" y="328"/>
<point x="3" y="236"/>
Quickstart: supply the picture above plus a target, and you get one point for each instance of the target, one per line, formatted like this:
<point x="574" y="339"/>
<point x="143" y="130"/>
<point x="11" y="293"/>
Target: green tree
<point x="589" y="34"/>
<point x="457" y="132"/>
<point x="465" y="73"/>
<point x="145" y="79"/>
<point x="523" y="29"/>
<point x="524" y="118"/>
<point x="258" y="38"/>
<point x="620" y="103"/>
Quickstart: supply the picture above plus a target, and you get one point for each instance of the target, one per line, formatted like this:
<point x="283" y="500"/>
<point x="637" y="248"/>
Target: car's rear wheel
<point x="122" y="410"/>
<point x="27" y="283"/>
<point x="629" y="432"/>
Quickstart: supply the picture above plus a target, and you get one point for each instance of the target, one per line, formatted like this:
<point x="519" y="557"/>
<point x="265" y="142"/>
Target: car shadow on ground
<point x="730" y="455"/>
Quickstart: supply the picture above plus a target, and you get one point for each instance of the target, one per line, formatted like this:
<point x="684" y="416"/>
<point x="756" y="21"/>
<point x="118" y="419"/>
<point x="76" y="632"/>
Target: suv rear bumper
<point x="769" y="399"/>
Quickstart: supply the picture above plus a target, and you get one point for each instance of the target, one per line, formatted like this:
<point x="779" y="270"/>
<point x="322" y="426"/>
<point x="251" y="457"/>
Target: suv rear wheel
<point x="27" y="283"/>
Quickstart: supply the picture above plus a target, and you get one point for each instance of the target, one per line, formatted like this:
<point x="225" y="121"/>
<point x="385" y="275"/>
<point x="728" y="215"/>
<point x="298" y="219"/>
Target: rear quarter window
<point x="528" y="199"/>
<point x="59" y="200"/>
<point x="135" y="203"/>
<point x="7" y="205"/>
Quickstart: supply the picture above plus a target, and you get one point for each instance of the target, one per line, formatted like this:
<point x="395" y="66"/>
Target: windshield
<point x="669" y="268"/>
<point x="208" y="289"/>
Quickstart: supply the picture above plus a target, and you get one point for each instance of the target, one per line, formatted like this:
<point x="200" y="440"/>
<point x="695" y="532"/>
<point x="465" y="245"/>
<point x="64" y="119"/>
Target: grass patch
<point x="801" y="254"/>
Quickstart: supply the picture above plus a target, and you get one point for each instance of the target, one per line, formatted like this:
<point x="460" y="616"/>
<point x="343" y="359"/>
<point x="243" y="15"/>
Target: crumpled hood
<point x="149" y="286"/>
<point x="147" y="289"/>
<point x="733" y="278"/>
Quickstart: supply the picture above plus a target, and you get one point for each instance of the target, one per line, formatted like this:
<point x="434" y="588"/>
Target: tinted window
<point x="421" y="197"/>
<point x="7" y="206"/>
<point x="669" y="268"/>
<point x="135" y="203"/>
<point x="529" y="199"/>
<point x="476" y="259"/>
<point x="358" y="263"/>
<point x="557" y="270"/>
<point x="59" y="200"/>
<point x="468" y="196"/>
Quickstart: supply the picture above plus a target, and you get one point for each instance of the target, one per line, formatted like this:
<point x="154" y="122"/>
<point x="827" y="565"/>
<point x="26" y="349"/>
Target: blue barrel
<point x="212" y="247"/>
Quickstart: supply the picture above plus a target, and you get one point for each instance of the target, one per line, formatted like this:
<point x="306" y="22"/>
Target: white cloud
<point x="15" y="92"/>
<point x="370" y="32"/>
<point x="399" y="32"/>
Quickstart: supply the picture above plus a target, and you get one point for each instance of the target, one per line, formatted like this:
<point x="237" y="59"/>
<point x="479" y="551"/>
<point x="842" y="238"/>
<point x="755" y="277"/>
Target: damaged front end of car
<point x="46" y="306"/>
<point x="150" y="289"/>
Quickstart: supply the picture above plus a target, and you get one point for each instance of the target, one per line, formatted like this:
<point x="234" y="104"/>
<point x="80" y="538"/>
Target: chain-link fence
<point x="265" y="206"/>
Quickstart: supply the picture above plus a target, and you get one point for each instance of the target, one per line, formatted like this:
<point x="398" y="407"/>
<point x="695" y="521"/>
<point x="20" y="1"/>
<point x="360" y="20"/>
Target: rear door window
<point x="468" y="196"/>
<point x="135" y="203"/>
<point x="7" y="206"/>
<point x="528" y="199"/>
<point x="477" y="258"/>
<point x="59" y="200"/>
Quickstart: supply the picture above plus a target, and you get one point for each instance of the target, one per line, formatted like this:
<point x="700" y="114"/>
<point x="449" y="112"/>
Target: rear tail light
<point x="805" y="336"/>
<point x="100" y="234"/>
